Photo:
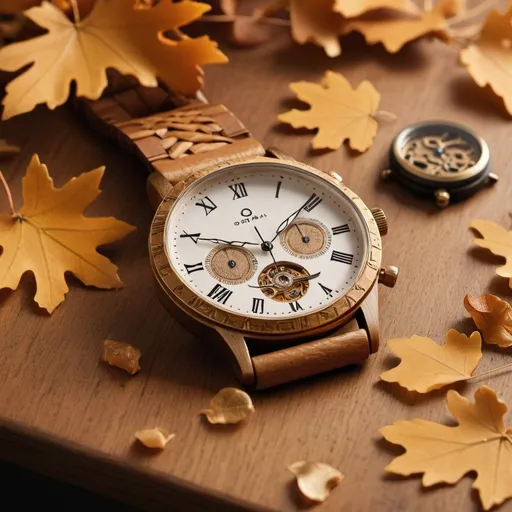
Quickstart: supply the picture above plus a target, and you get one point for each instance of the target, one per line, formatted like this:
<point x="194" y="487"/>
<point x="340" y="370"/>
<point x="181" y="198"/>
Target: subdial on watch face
<point x="231" y="265"/>
<point x="441" y="154"/>
<point x="306" y="238"/>
<point x="284" y="281"/>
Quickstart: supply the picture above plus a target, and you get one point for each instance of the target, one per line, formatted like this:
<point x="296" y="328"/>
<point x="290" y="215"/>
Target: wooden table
<point x="64" y="413"/>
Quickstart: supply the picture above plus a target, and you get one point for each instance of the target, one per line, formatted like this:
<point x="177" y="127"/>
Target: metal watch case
<point x="441" y="160"/>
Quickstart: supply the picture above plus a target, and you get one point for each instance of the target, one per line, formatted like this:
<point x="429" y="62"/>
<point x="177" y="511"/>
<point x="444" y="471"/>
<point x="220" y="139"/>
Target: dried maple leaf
<point x="246" y="30"/>
<point x="229" y="405"/>
<point x="315" y="22"/>
<point x="315" y="480"/>
<point x="114" y="35"/>
<point x="123" y="355"/>
<point x="481" y="443"/>
<point x="394" y="29"/>
<point x="153" y="438"/>
<point x="498" y="240"/>
<point x="492" y="316"/>
<point x="338" y="111"/>
<point x="426" y="366"/>
<point x="50" y="236"/>
<point x="489" y="59"/>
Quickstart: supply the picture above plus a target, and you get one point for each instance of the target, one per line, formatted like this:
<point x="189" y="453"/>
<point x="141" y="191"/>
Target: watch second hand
<point x="305" y="238"/>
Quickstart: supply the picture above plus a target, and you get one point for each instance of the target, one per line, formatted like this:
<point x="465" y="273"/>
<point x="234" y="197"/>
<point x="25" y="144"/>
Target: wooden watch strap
<point x="311" y="358"/>
<point x="176" y="142"/>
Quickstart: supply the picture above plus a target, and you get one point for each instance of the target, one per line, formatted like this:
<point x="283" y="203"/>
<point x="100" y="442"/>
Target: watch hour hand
<point x="236" y="243"/>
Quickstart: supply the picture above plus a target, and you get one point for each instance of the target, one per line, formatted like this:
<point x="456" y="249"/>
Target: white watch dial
<point x="266" y="241"/>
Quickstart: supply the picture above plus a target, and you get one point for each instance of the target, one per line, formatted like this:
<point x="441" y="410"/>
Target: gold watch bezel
<point x="333" y="315"/>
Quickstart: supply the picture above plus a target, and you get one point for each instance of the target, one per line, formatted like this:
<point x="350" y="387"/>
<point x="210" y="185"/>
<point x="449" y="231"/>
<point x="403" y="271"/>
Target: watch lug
<point x="277" y="153"/>
<point x="369" y="314"/>
<point x="236" y="344"/>
<point x="157" y="187"/>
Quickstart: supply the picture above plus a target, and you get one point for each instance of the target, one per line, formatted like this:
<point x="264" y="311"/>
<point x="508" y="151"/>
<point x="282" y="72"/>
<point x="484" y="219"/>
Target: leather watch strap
<point x="312" y="358"/>
<point x="176" y="142"/>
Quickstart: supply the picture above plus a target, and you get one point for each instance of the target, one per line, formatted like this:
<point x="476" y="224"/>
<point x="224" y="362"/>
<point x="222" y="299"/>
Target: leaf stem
<point x="490" y="372"/>
<point x="384" y="116"/>
<point x="226" y="18"/>
<point x="8" y="194"/>
<point x="477" y="10"/>
<point x="76" y="11"/>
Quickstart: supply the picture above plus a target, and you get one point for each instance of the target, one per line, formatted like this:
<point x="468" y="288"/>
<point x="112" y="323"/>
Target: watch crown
<point x="380" y="219"/>
<point x="442" y="198"/>
<point x="388" y="276"/>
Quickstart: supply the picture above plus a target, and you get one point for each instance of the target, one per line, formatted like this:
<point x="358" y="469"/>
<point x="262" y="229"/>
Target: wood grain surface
<point x="64" y="413"/>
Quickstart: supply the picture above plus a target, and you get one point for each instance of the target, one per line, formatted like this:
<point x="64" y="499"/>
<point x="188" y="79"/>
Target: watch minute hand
<point x="287" y="222"/>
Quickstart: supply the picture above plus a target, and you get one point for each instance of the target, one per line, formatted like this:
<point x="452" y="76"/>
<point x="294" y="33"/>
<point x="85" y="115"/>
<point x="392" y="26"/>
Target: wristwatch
<point x="276" y="260"/>
<point x="440" y="160"/>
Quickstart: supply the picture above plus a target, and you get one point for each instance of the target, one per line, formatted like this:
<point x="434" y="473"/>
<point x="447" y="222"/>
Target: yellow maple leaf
<point x="492" y="316"/>
<point x="489" y="59"/>
<point x="480" y="442"/>
<point x="50" y="236"/>
<point x="498" y="240"/>
<point x="315" y="22"/>
<point x="394" y="29"/>
<point x="426" y="366"/>
<point x="338" y="111"/>
<point x="114" y="35"/>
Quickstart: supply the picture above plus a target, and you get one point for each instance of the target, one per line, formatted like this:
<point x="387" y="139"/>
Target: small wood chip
<point x="315" y="480"/>
<point x="123" y="355"/>
<point x="229" y="405"/>
<point x="153" y="437"/>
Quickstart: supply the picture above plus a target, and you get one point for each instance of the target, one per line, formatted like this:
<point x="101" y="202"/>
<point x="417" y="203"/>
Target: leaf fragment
<point x="395" y="29"/>
<point x="315" y="22"/>
<point x="50" y="236"/>
<point x="154" y="437"/>
<point x="498" y="240"/>
<point x="315" y="480"/>
<point x="480" y="443"/>
<point x="353" y="8"/>
<point x="426" y="366"/>
<point x="337" y="111"/>
<point x="114" y="35"/>
<point x="123" y="355"/>
<point x="489" y="59"/>
<point x="229" y="406"/>
<point x="7" y="150"/>
<point x="492" y="316"/>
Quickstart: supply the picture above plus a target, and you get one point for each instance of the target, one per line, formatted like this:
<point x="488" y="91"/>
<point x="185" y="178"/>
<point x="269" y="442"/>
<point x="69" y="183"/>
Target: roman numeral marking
<point x="239" y="190"/>
<point x="220" y="294"/>
<point x="207" y="204"/>
<point x="342" y="257"/>
<point x="279" y="183"/>
<point x="193" y="236"/>
<point x="295" y="306"/>
<point x="312" y="202"/>
<point x="257" y="306"/>
<point x="196" y="267"/>
<point x="338" y="230"/>
<point x="327" y="291"/>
